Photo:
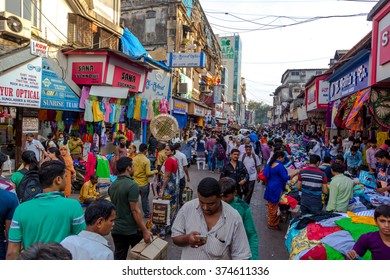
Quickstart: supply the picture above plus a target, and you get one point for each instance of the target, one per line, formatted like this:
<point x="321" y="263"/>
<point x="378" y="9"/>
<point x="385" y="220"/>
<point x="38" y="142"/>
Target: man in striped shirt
<point x="312" y="182"/>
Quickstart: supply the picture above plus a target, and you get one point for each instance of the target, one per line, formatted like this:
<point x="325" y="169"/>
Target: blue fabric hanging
<point x="181" y="119"/>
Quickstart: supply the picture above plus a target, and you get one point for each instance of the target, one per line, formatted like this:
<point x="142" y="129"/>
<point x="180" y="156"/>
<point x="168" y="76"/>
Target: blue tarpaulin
<point x="131" y="45"/>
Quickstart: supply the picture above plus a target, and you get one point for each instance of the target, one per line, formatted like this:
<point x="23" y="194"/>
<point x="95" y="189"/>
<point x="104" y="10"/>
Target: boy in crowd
<point x="90" y="244"/>
<point x="378" y="242"/>
<point x="228" y="192"/>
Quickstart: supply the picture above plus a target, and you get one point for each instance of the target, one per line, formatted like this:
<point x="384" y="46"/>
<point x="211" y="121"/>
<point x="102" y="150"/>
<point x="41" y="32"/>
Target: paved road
<point x="271" y="243"/>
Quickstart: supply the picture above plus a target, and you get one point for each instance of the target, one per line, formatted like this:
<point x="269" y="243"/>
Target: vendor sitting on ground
<point x="88" y="191"/>
<point x="378" y="242"/>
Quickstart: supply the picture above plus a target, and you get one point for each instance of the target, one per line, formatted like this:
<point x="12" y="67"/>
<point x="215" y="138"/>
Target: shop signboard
<point x="30" y="125"/>
<point x="218" y="94"/>
<point x="157" y="85"/>
<point x="384" y="48"/>
<point x="323" y="93"/>
<point x="353" y="81"/>
<point x="38" y="48"/>
<point x="56" y="94"/>
<point x="179" y="107"/>
<point x="199" y="111"/>
<point x="87" y="73"/>
<point x="22" y="86"/>
<point x="187" y="60"/>
<point x="311" y="98"/>
<point x="219" y="111"/>
<point x="126" y="78"/>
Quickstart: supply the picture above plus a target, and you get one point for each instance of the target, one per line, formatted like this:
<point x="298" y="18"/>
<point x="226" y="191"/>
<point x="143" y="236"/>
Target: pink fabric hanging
<point x="90" y="166"/>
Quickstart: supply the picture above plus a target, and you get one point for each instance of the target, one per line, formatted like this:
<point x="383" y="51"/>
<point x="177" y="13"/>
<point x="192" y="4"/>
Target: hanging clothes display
<point x="144" y="109"/>
<point x="150" y="114"/>
<point x="156" y="104"/>
<point x="113" y="112"/>
<point x="88" y="115"/>
<point x="84" y="96"/>
<point x="137" y="108"/>
<point x="123" y="109"/>
<point x="355" y="118"/>
<point x="130" y="107"/>
<point x="379" y="106"/>
<point x="108" y="110"/>
<point x="97" y="113"/>
<point x="117" y="113"/>
<point x="163" y="106"/>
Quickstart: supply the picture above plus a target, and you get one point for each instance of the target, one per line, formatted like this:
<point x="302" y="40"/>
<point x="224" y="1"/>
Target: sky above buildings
<point x="287" y="34"/>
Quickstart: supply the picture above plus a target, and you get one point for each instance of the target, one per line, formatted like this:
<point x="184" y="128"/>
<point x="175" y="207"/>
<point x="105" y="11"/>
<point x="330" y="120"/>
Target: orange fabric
<point x="69" y="171"/>
<point x="273" y="218"/>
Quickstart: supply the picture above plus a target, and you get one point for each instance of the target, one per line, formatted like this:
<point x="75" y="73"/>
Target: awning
<point x="181" y="119"/>
<point x="112" y="92"/>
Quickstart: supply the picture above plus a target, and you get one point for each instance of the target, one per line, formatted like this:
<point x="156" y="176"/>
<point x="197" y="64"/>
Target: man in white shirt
<point x="90" y="243"/>
<point x="176" y="139"/>
<point x="33" y="145"/>
<point x="183" y="170"/>
<point x="252" y="164"/>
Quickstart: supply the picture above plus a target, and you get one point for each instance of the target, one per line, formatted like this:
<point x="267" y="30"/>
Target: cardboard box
<point x="157" y="250"/>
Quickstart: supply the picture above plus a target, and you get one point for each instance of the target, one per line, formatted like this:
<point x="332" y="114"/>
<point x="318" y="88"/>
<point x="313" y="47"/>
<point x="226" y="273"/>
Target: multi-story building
<point x="179" y="27"/>
<point x="289" y="97"/>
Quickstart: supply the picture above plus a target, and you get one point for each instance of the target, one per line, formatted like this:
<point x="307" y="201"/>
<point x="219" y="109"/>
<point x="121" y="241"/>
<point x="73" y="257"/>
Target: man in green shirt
<point x="124" y="194"/>
<point x="49" y="217"/>
<point x="340" y="190"/>
<point x="228" y="191"/>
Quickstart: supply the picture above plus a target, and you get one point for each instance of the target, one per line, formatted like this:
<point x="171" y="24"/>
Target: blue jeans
<point x="144" y="192"/>
<point x="211" y="161"/>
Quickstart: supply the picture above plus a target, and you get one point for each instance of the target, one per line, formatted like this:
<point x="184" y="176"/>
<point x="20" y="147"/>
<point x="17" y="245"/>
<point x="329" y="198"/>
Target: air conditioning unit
<point x="183" y="88"/>
<point x="14" y="27"/>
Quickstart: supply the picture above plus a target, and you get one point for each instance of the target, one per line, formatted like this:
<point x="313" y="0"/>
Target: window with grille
<point x="80" y="31"/>
<point x="107" y="40"/>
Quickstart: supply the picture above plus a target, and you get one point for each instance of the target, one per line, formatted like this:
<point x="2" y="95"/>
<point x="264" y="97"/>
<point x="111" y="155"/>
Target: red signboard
<point x="87" y="73"/>
<point x="384" y="46"/>
<point x="126" y="78"/>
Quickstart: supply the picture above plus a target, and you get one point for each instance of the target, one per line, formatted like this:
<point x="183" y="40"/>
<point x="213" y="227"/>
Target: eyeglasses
<point x="31" y="67"/>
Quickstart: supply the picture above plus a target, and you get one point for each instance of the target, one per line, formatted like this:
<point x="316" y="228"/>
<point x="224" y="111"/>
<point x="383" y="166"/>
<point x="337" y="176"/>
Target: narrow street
<point x="271" y="243"/>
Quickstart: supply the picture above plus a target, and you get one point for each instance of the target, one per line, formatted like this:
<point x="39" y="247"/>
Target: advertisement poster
<point x="21" y="87"/>
<point x="157" y="85"/>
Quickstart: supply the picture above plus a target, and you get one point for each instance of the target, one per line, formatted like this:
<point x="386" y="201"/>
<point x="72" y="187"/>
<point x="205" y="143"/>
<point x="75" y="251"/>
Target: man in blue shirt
<point x="353" y="158"/>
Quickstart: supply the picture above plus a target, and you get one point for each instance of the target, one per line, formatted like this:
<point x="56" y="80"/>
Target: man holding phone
<point x="214" y="232"/>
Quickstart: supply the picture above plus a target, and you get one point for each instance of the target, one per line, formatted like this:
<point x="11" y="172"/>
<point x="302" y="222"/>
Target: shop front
<point x="112" y="83"/>
<point x="196" y="115"/>
<point x="348" y="89"/>
<point x="179" y="112"/>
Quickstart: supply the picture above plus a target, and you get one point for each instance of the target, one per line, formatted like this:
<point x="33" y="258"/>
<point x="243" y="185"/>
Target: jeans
<point x="211" y="161"/>
<point x="144" y="192"/>
<point x="182" y="184"/>
<point x="123" y="242"/>
<point x="248" y="191"/>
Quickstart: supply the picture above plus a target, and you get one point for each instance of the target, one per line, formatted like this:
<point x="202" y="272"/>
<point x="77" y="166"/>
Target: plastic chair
<point x="199" y="162"/>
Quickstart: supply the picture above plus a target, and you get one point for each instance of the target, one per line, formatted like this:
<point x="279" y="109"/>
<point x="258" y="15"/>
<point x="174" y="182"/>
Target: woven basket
<point x="164" y="127"/>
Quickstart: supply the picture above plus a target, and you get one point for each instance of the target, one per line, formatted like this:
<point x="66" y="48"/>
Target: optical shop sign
<point x="21" y="87"/>
<point x="157" y="85"/>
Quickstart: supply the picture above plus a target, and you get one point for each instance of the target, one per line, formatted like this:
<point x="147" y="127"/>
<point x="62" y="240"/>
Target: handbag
<point x="261" y="177"/>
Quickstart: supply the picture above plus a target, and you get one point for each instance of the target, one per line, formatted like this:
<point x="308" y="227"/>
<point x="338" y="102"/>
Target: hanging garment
<point x="113" y="112"/>
<point x="90" y="167"/>
<point x="88" y="115"/>
<point x="61" y="125"/>
<point x="123" y="113"/>
<point x="103" y="167"/>
<point x="84" y="96"/>
<point x="42" y="115"/>
<point x="59" y="116"/>
<point x="137" y="108"/>
<point x="108" y="110"/>
<point x="156" y="104"/>
<point x="97" y="113"/>
<point x="163" y="106"/>
<point x="117" y="113"/>
<point x="150" y="114"/>
<point x="130" y="107"/>
<point x="95" y="142"/>
<point x="144" y="109"/>
<point x="379" y="106"/>
<point x="51" y="115"/>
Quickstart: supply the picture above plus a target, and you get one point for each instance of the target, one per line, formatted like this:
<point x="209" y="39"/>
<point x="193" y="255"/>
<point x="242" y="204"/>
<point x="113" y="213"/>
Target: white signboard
<point x="39" y="48"/>
<point x="157" y="85"/>
<point x="323" y="93"/>
<point x="187" y="59"/>
<point x="219" y="111"/>
<point x="21" y="87"/>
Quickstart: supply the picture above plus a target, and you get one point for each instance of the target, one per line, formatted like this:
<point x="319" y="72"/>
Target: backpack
<point x="221" y="153"/>
<point x="253" y="156"/>
<point x="30" y="186"/>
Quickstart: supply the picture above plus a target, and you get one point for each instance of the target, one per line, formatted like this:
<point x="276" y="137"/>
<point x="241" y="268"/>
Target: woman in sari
<point x="277" y="176"/>
<point x="70" y="172"/>
<point x="170" y="185"/>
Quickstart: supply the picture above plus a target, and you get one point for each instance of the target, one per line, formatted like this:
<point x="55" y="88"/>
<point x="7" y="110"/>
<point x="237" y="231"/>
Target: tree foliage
<point x="261" y="110"/>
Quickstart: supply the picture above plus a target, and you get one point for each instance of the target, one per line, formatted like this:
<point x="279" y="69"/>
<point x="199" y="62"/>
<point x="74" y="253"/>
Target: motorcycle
<point x="80" y="175"/>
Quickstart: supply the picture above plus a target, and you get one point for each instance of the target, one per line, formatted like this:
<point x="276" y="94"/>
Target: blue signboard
<point x="350" y="78"/>
<point x="56" y="94"/>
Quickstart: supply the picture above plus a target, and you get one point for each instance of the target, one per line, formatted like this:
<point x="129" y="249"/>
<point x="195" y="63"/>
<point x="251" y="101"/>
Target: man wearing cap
<point x="210" y="229"/>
